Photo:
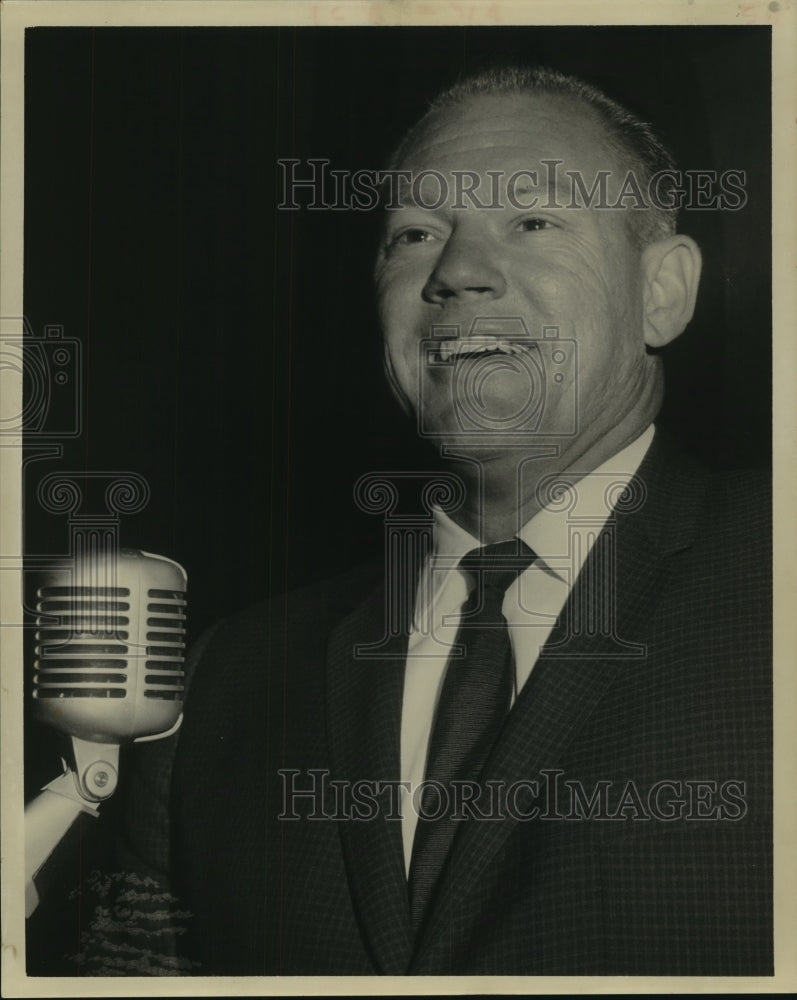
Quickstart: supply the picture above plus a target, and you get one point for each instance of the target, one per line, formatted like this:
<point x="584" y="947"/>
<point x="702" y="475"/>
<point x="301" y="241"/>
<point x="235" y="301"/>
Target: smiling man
<point x="614" y="281"/>
<point x="543" y="745"/>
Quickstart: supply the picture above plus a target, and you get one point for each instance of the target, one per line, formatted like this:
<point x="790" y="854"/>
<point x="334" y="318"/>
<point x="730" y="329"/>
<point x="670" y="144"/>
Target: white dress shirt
<point x="561" y="534"/>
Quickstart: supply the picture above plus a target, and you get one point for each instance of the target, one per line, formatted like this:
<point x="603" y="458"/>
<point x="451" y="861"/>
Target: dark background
<point x="231" y="353"/>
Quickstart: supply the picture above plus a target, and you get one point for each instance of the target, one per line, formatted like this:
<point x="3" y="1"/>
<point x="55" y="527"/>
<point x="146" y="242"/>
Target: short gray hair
<point x="630" y="136"/>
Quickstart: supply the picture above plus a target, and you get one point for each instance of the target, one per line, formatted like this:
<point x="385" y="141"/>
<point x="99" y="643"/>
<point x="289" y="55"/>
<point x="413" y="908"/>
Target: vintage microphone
<point x="107" y="670"/>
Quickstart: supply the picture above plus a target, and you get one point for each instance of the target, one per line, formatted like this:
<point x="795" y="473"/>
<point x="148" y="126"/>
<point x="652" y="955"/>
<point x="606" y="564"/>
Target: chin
<point x="489" y="445"/>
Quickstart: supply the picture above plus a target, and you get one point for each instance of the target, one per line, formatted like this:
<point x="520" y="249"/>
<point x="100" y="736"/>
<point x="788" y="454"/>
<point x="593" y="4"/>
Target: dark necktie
<point x="474" y="701"/>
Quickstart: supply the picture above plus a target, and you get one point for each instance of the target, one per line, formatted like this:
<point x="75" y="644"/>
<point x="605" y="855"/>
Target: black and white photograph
<point x="389" y="441"/>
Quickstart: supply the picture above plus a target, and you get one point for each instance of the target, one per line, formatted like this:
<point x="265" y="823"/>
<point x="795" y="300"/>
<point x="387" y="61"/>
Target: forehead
<point x="495" y="131"/>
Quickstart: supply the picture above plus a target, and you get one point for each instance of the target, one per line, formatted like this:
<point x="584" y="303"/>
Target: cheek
<point x="585" y="291"/>
<point x="400" y="357"/>
<point x="404" y="275"/>
<point x="402" y="314"/>
<point x="396" y="291"/>
<point x="399" y="340"/>
<point x="562" y="293"/>
<point x="558" y="274"/>
<point x="392" y="306"/>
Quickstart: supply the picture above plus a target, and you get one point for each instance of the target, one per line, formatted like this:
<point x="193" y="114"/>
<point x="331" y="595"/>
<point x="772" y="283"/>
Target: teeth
<point x="477" y="345"/>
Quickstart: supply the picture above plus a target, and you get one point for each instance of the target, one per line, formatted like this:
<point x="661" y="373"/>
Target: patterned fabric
<point x="631" y="831"/>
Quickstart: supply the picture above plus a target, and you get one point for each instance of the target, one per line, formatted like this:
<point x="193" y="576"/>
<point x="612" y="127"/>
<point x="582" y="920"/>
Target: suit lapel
<point x="364" y="701"/>
<point x="574" y="670"/>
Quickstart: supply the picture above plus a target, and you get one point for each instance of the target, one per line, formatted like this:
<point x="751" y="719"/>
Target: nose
<point x="467" y="268"/>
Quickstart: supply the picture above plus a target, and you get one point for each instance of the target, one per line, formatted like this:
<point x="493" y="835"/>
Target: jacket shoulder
<point x="300" y="618"/>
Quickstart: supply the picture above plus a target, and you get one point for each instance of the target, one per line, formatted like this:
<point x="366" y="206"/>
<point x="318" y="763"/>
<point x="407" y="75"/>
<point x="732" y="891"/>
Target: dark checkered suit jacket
<point x="670" y="874"/>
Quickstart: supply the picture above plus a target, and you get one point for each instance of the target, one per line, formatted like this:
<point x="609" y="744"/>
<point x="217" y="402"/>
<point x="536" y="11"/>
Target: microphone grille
<point x="110" y="646"/>
<point x="163" y="675"/>
<point x="82" y="642"/>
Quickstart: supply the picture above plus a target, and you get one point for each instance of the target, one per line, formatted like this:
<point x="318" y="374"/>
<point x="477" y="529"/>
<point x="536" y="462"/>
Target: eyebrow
<point x="539" y="190"/>
<point x="482" y="192"/>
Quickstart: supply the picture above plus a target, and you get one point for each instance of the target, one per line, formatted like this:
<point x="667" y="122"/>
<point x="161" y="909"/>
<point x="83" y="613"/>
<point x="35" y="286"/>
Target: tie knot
<point x="497" y="566"/>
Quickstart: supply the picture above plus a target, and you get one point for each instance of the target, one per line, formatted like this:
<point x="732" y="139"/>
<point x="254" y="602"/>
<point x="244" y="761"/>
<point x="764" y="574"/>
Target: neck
<point x="502" y="489"/>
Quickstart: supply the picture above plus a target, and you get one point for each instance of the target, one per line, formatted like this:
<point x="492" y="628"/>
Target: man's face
<point x="575" y="269"/>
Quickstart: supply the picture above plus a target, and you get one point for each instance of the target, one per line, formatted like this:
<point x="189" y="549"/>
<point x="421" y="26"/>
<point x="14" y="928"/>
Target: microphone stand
<point x="49" y="816"/>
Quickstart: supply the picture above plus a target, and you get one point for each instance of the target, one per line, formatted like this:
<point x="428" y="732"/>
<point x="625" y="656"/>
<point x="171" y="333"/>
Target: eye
<point x="409" y="237"/>
<point x="533" y="225"/>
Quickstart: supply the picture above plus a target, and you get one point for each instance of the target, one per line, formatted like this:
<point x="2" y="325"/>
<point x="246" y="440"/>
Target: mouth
<point x="458" y="349"/>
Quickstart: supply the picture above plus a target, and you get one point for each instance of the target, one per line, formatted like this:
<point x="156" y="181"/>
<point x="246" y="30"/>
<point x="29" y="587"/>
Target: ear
<point x="671" y="270"/>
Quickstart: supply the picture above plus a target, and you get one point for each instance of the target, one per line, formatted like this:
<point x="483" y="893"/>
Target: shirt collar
<point x="549" y="532"/>
<point x="582" y="507"/>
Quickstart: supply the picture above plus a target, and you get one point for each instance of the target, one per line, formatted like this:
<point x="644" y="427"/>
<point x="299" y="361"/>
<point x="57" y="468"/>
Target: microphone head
<point x="110" y="646"/>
